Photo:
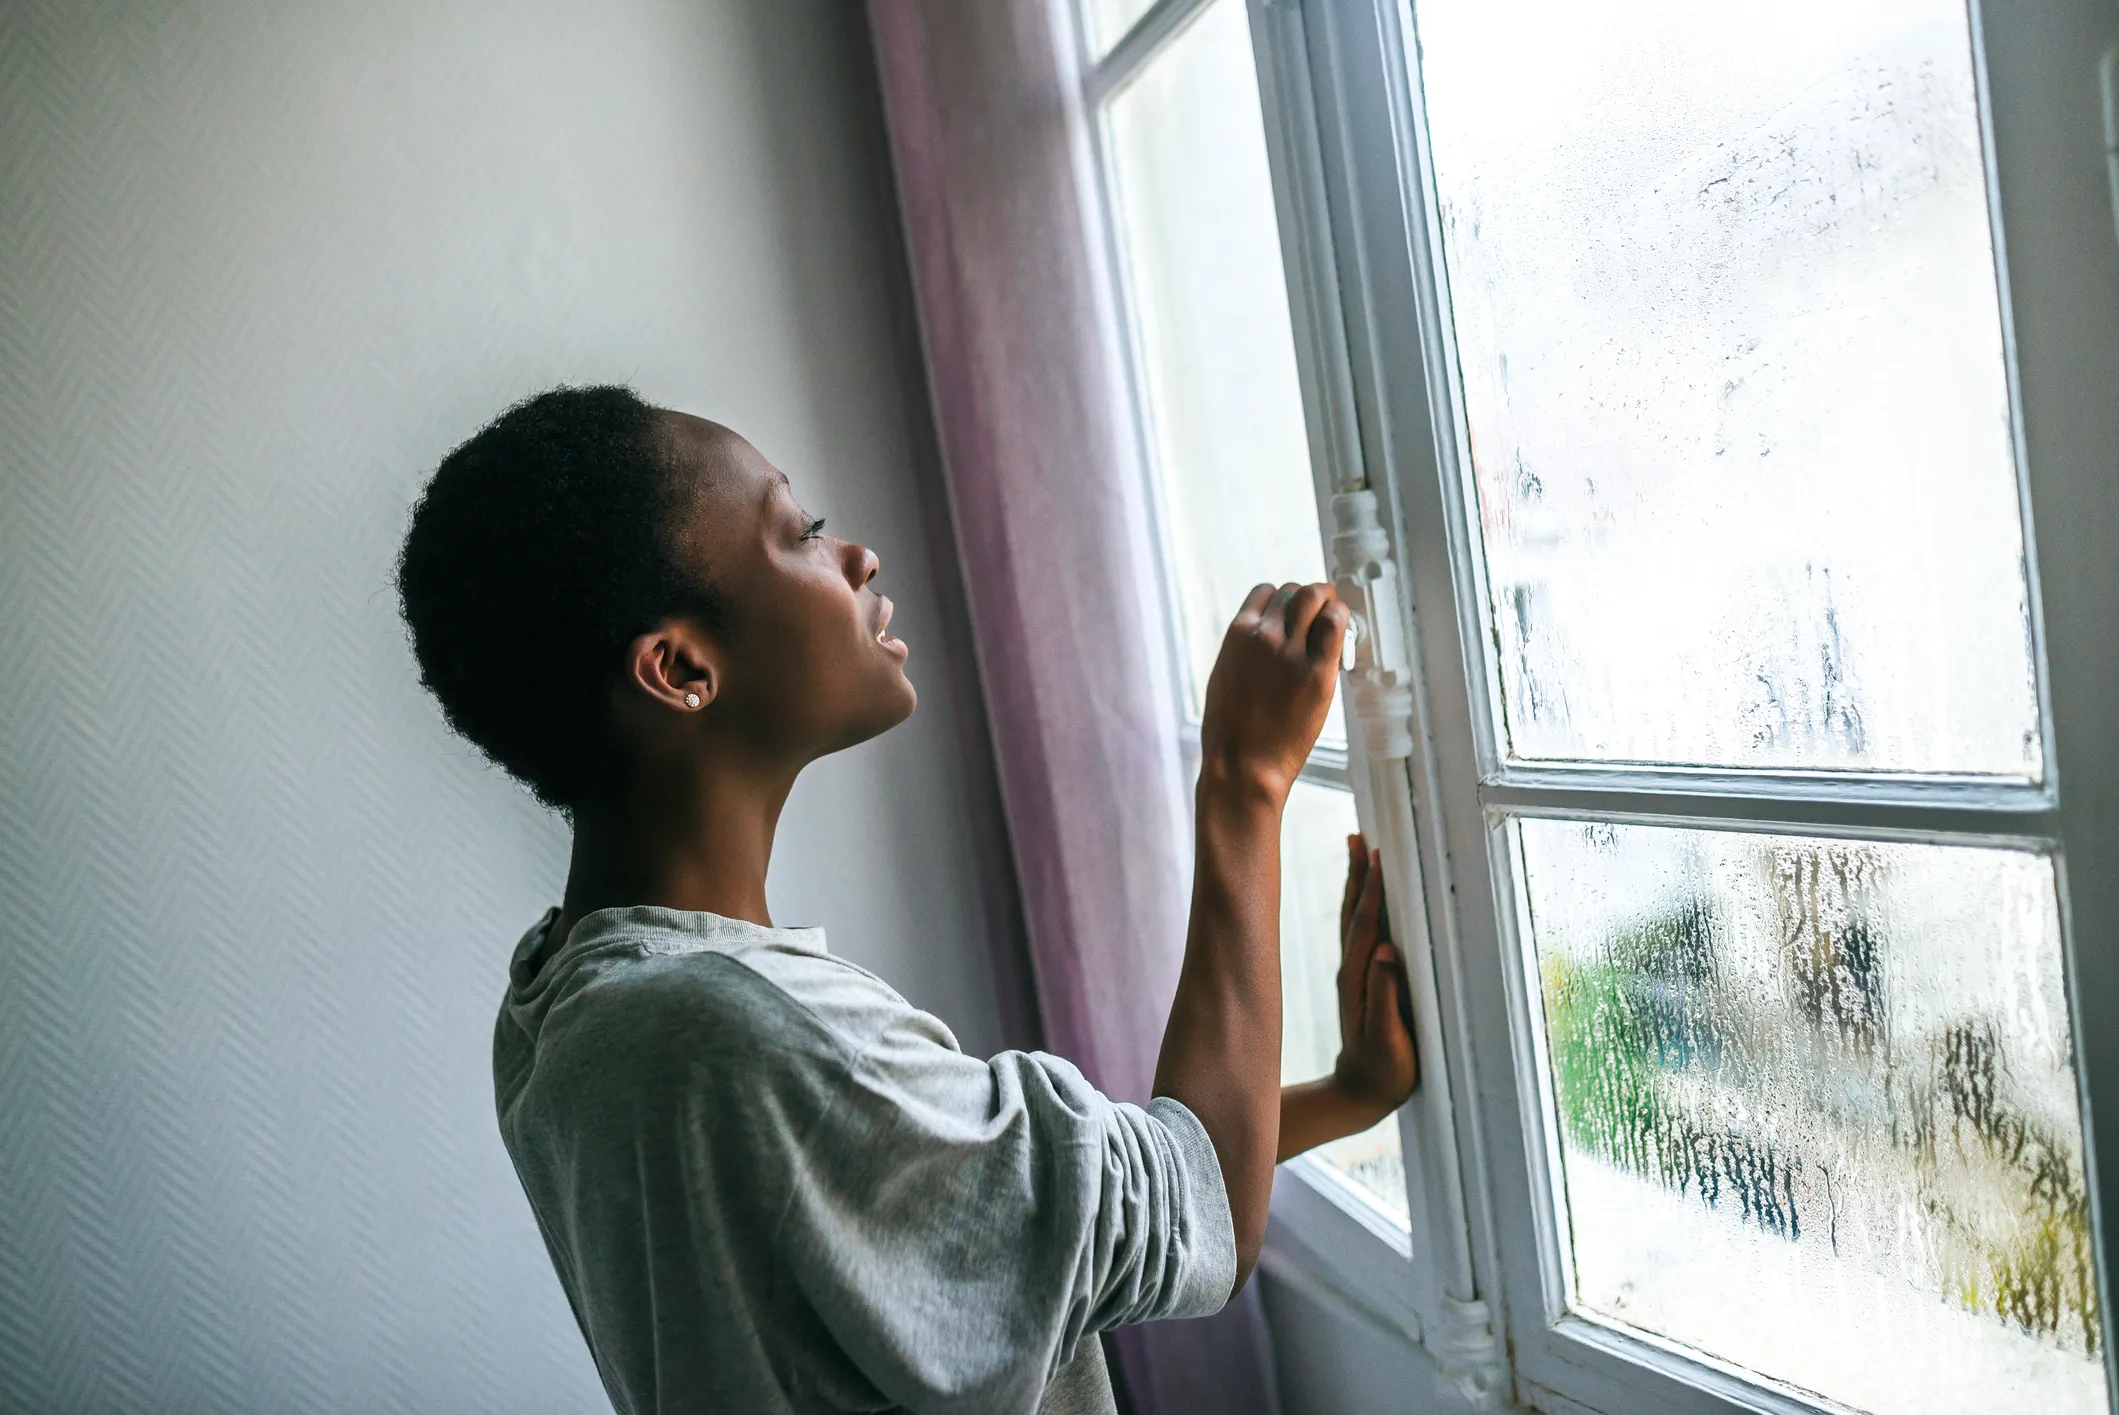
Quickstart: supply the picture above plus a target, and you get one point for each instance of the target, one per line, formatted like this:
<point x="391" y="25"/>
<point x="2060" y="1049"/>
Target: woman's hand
<point x="1376" y="1067"/>
<point x="1270" y="690"/>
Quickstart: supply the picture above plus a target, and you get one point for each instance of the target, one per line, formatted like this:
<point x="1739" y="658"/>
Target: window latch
<point x="1379" y="683"/>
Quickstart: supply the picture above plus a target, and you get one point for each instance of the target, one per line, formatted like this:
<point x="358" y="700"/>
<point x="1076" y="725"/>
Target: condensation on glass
<point x="1203" y="266"/>
<point x="1313" y="858"/>
<point x="1107" y="21"/>
<point x="1816" y="1109"/>
<point x="1731" y="355"/>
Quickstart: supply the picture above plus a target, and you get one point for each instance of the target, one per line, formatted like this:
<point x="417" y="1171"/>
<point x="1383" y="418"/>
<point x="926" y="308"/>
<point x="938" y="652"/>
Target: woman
<point x="769" y="1183"/>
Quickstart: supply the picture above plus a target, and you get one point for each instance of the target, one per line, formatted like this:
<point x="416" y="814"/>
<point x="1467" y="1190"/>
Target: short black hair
<point x="541" y="547"/>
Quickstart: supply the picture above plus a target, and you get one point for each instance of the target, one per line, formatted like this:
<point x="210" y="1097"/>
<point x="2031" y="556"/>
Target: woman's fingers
<point x="1357" y="864"/>
<point x="1358" y="942"/>
<point x="1311" y="616"/>
<point x="1273" y="616"/>
<point x="1303" y="607"/>
<point x="1254" y="605"/>
<point x="1327" y="634"/>
<point x="1362" y="930"/>
<point x="1384" y="1019"/>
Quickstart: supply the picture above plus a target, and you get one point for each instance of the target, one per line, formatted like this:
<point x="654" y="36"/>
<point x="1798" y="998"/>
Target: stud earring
<point x="691" y="700"/>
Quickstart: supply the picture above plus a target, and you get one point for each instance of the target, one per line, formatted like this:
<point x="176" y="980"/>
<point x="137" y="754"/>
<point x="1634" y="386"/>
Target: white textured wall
<point x="260" y="266"/>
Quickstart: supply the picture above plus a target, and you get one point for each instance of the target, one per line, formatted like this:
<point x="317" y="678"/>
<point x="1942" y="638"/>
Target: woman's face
<point x="810" y="666"/>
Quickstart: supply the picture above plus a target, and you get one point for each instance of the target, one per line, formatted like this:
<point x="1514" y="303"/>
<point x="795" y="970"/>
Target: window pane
<point x="1725" y="300"/>
<point x="1108" y="21"/>
<point x="1816" y="1109"/>
<point x="1312" y="881"/>
<point x="1210" y="304"/>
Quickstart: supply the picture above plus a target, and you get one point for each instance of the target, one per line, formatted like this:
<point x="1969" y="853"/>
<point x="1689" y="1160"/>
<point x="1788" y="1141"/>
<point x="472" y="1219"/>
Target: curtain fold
<point x="989" y="147"/>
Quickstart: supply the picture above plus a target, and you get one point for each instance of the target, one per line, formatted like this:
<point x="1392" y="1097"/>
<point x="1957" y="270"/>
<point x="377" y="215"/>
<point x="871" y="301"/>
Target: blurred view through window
<point x="1817" y="1108"/>
<point x="1726" y="310"/>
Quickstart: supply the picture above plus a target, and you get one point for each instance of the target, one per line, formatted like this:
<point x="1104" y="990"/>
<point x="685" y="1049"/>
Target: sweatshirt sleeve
<point x="961" y="1226"/>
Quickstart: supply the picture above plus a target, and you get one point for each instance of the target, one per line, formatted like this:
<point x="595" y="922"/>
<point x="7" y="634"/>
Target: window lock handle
<point x="1379" y="681"/>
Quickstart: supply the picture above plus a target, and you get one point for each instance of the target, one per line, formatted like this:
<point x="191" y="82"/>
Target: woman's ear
<point x="675" y="666"/>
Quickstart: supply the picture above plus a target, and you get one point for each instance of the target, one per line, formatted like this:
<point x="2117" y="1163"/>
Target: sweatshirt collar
<point x="652" y="929"/>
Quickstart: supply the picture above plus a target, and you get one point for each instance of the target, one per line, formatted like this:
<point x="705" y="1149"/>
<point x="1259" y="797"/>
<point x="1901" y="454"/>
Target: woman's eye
<point x="816" y="528"/>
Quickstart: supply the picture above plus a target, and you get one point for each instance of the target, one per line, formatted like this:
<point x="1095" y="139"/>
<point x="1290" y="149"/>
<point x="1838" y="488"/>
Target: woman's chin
<point x="909" y="698"/>
<point x="891" y="706"/>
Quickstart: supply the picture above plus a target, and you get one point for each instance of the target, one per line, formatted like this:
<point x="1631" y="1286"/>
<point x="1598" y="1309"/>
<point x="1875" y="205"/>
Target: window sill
<point x="1331" y="1244"/>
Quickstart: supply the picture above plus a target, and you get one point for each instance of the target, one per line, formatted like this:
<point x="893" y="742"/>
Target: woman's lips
<point x="888" y="640"/>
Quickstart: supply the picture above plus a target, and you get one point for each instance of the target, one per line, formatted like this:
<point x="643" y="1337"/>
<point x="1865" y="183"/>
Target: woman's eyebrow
<point x="777" y="482"/>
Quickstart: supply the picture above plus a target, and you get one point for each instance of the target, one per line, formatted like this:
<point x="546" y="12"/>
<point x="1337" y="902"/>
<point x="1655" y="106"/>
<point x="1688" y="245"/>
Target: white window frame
<point x="2038" y="71"/>
<point x="1346" y="136"/>
<point x="1418" y="1282"/>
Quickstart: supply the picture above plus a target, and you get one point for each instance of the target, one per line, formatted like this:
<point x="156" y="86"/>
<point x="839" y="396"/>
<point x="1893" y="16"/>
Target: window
<point x="1224" y="436"/>
<point x="1726" y="316"/>
<point x="1728" y="387"/>
<point x="1814" y="1107"/>
<point x="1743" y="496"/>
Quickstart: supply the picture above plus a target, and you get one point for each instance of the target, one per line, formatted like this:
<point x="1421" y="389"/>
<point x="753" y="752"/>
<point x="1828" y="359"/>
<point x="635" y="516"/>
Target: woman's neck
<point x="695" y="836"/>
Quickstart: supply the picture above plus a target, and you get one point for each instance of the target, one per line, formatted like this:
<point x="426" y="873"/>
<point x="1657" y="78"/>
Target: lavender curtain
<point x="989" y="146"/>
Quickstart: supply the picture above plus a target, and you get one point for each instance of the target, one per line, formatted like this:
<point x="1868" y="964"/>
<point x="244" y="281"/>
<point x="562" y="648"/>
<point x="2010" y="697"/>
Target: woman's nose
<point x="862" y="564"/>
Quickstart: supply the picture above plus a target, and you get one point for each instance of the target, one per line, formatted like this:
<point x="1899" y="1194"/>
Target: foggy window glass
<point x="1312" y="881"/>
<point x="1195" y="210"/>
<point x="1108" y="20"/>
<point x="1816" y="1109"/>
<point x="1725" y="302"/>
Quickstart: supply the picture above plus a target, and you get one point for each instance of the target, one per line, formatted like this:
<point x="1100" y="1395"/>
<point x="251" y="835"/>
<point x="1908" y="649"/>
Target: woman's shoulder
<point x="700" y="1005"/>
<point x="701" y="999"/>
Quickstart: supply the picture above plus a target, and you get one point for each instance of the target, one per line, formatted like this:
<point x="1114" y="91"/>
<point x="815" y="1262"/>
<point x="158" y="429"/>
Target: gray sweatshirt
<point x="770" y="1184"/>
